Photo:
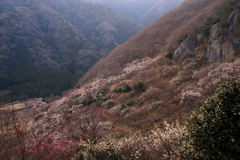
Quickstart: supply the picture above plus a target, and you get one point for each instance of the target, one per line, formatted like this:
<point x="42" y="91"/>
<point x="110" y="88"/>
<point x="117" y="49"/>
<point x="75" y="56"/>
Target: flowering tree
<point x="17" y="142"/>
<point x="86" y="122"/>
<point x="160" y="143"/>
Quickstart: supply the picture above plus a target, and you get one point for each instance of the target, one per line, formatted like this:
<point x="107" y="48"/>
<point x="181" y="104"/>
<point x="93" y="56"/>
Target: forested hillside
<point x="45" y="49"/>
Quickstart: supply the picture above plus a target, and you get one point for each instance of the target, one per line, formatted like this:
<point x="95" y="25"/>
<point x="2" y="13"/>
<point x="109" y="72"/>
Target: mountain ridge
<point x="143" y="12"/>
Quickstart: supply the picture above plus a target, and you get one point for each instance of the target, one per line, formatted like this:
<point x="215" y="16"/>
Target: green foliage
<point x="101" y="97"/>
<point x="98" y="100"/>
<point x="101" y="93"/>
<point x="126" y="88"/>
<point x="88" y="101"/>
<point x="208" y="24"/>
<point x="170" y="53"/>
<point x="182" y="38"/>
<point x="214" y="132"/>
<point x="140" y="87"/>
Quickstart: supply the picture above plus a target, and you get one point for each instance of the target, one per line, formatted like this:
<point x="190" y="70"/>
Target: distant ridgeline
<point x="45" y="49"/>
<point x="140" y="11"/>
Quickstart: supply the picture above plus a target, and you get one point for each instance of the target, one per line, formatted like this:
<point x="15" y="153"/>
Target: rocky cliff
<point x="223" y="46"/>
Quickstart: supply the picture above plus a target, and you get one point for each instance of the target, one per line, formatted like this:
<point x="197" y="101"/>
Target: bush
<point x="170" y="53"/>
<point x="95" y="153"/>
<point x="182" y="38"/>
<point x="88" y="101"/>
<point x="125" y="89"/>
<point x="140" y="87"/>
<point x="214" y="132"/>
<point x="208" y="25"/>
<point x="157" y="144"/>
<point x="19" y="142"/>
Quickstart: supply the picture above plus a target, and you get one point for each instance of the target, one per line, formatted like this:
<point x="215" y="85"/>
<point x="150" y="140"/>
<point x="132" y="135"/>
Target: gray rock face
<point x="189" y="44"/>
<point x="218" y="51"/>
<point x="232" y="21"/>
<point x="234" y="28"/>
<point x="214" y="48"/>
<point x="236" y="42"/>
<point x="228" y="51"/>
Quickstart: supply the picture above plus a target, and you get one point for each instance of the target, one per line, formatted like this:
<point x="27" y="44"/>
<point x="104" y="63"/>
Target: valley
<point x="45" y="49"/>
<point x="170" y="91"/>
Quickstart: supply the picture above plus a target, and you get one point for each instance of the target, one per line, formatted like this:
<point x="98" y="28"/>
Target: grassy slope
<point x="157" y="37"/>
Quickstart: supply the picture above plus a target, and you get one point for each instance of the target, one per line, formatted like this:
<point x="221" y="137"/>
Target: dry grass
<point x="20" y="105"/>
<point x="157" y="37"/>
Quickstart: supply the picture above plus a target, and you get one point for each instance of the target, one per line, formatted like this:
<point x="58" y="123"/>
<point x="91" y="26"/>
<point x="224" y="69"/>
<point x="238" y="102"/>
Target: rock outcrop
<point x="217" y="49"/>
<point x="214" y="47"/>
<point x="189" y="44"/>
<point x="234" y="28"/>
<point x="232" y="21"/>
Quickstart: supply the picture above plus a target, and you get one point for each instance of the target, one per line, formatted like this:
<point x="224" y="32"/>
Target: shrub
<point x="19" y="142"/>
<point x="170" y="53"/>
<point x="101" y="97"/>
<point x="159" y="144"/>
<point x="89" y="128"/>
<point x="88" y="101"/>
<point x="182" y="38"/>
<point x="126" y="88"/>
<point x="140" y="87"/>
<point x="101" y="93"/>
<point x="214" y="132"/>
<point x="208" y="24"/>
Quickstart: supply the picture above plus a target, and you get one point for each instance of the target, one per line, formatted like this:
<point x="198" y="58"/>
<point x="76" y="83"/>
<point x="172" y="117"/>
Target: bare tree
<point x="85" y="124"/>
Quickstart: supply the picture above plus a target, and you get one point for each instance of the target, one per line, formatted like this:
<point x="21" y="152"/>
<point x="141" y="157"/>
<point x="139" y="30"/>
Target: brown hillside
<point x="158" y="37"/>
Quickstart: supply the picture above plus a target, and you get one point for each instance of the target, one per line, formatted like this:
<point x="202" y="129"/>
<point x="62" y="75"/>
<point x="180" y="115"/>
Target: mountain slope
<point x="141" y="11"/>
<point x="98" y="23"/>
<point x="148" y="91"/>
<point x="132" y="9"/>
<point x="158" y="37"/>
<point x="35" y="43"/>
<point x="158" y="9"/>
<point x="45" y="49"/>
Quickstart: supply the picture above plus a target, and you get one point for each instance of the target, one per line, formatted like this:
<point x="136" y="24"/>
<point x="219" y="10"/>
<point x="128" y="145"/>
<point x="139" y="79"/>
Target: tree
<point x="214" y="132"/>
<point x="85" y="124"/>
<point x="140" y="87"/>
<point x="18" y="142"/>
